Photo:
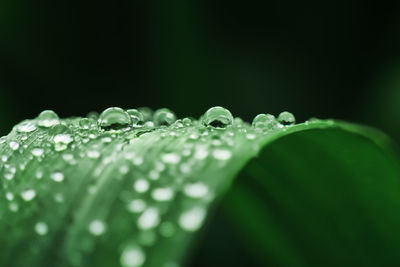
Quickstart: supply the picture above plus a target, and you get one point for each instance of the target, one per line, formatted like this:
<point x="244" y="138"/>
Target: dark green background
<point x="336" y="59"/>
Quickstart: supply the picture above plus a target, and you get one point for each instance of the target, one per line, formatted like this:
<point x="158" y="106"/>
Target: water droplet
<point x="48" y="118"/>
<point x="264" y="121"/>
<point x="93" y="154"/>
<point x="222" y="154"/>
<point x="196" y="190"/>
<point x="37" y="151"/>
<point x="162" y="194"/>
<point x="217" y="117"/>
<point x="136" y="116"/>
<point x="136" y="206"/>
<point x="28" y="195"/>
<point x="114" y="118"/>
<point x="286" y="118"/>
<point x="9" y="196"/>
<point x="14" y="145"/>
<point x="192" y="219"/>
<point x="3" y="139"/>
<point x="141" y="185"/>
<point x="164" y="116"/>
<point x="86" y="123"/>
<point x="57" y="176"/>
<point x="59" y="129"/>
<point x="149" y="219"/>
<point x="4" y="158"/>
<point x="97" y="227"/>
<point x="26" y="127"/>
<point x="132" y="256"/>
<point x="41" y="228"/>
<point x="171" y="158"/>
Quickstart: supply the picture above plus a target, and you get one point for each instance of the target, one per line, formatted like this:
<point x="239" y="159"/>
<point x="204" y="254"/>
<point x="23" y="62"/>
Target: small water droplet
<point x="86" y="123"/>
<point x="218" y="117"/>
<point x="37" y="151"/>
<point x="171" y="158"/>
<point x="57" y="176"/>
<point x="136" y="206"/>
<point x="164" y="116"/>
<point x="222" y="154"/>
<point x="41" y="228"/>
<point x="149" y="219"/>
<point x="196" y="190"/>
<point x="97" y="227"/>
<point x="14" y="145"/>
<point x="9" y="196"/>
<point x="286" y="118"/>
<point x="26" y="127"/>
<point x="132" y="256"/>
<point x="114" y="118"/>
<point x="47" y="118"/>
<point x="162" y="194"/>
<point x="141" y="185"/>
<point x="192" y="219"/>
<point x="93" y="154"/>
<point x="28" y="195"/>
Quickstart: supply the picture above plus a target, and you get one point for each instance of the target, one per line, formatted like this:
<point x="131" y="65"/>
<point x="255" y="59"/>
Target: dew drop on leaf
<point x="162" y="194"/>
<point x="136" y="206"/>
<point x="286" y="118"/>
<point x="222" y="154"/>
<point x="218" y="117"/>
<point x="136" y="116"/>
<point x="141" y="185"/>
<point x="192" y="219"/>
<point x="114" y="118"/>
<point x="196" y="190"/>
<point x="48" y="118"/>
<point x="41" y="228"/>
<point x="164" y="116"/>
<point x="97" y="227"/>
<point x="264" y="121"/>
<point x="132" y="256"/>
<point x="26" y="127"/>
<point x="14" y="145"/>
<point x="57" y="176"/>
<point x="149" y="219"/>
<point x="28" y="194"/>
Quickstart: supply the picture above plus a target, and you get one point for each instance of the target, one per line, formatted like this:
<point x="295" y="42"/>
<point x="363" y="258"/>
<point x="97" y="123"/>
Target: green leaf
<point x="134" y="194"/>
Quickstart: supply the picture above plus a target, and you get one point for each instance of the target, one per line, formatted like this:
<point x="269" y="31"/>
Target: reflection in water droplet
<point x="48" y="118"/>
<point x="217" y="117"/>
<point x="114" y="118"/>
<point x="132" y="256"/>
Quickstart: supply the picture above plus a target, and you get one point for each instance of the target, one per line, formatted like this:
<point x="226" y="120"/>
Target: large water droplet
<point x="26" y="127"/>
<point x="114" y="118"/>
<point x="286" y="118"/>
<point x="132" y="256"/>
<point x="48" y="118"/>
<point x="136" y="116"/>
<point x="264" y="121"/>
<point x="164" y="116"/>
<point x="217" y="117"/>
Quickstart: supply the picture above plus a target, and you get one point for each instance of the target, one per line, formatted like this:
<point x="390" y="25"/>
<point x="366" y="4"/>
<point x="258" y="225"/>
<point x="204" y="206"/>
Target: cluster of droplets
<point x="156" y="177"/>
